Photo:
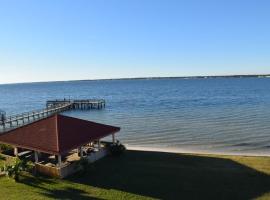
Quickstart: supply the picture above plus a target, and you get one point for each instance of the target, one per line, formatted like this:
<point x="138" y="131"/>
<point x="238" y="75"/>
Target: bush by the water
<point x="117" y="148"/>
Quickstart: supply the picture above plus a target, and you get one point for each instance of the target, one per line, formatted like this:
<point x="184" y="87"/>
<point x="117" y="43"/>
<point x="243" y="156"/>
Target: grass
<point x="153" y="175"/>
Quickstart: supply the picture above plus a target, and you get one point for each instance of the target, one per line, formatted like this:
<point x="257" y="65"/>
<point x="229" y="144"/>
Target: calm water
<point x="207" y="115"/>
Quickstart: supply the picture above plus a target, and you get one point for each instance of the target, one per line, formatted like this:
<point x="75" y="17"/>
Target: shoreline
<point x="185" y="151"/>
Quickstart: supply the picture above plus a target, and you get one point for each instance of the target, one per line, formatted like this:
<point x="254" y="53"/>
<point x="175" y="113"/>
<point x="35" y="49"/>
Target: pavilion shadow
<point x="67" y="193"/>
<point x="176" y="176"/>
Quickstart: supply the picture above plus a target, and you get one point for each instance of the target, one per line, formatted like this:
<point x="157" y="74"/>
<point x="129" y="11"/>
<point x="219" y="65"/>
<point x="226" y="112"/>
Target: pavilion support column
<point x="16" y="152"/>
<point x="79" y="151"/>
<point x="113" y="138"/>
<point x="99" y="145"/>
<point x="36" y="157"/>
<point x="59" y="160"/>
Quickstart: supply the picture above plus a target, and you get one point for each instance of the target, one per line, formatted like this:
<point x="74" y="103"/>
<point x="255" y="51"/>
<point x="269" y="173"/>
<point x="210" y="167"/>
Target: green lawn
<point x="150" y="175"/>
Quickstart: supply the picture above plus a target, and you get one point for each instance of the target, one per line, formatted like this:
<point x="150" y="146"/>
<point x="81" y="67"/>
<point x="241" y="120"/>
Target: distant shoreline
<point x="182" y="77"/>
<point x="151" y="78"/>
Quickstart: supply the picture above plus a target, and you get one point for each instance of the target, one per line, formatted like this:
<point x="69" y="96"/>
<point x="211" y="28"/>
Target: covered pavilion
<point x="61" y="137"/>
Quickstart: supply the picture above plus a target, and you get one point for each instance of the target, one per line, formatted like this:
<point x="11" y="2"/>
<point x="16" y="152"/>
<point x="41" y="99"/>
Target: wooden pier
<point x="52" y="107"/>
<point x="83" y="104"/>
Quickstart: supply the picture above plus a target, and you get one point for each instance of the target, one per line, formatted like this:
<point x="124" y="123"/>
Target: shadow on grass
<point x="37" y="182"/>
<point x="174" y="176"/>
<point x="67" y="193"/>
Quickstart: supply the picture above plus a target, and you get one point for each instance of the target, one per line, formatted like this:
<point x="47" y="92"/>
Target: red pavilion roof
<point x="57" y="134"/>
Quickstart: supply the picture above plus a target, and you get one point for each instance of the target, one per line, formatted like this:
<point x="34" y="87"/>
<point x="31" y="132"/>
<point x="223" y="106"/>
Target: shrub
<point x="117" y="149"/>
<point x="5" y="147"/>
<point x="15" y="169"/>
<point x="2" y="157"/>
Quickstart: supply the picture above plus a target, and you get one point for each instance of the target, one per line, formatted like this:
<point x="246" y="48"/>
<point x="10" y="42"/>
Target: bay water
<point x="214" y="115"/>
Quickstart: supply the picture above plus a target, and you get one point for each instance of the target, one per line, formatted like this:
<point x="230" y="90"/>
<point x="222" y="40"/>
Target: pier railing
<point x="52" y="107"/>
<point x="15" y="121"/>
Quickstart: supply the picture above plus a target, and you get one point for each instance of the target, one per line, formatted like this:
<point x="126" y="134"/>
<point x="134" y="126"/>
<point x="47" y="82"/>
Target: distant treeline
<point x="192" y="77"/>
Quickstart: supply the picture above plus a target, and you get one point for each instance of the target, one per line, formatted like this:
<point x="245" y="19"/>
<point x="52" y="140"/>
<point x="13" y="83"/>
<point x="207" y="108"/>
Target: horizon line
<point x="145" y="78"/>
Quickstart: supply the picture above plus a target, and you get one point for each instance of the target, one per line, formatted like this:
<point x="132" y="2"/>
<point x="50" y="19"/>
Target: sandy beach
<point x="188" y="151"/>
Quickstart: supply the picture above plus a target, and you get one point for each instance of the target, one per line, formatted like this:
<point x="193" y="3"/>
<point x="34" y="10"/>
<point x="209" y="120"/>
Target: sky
<point x="98" y="39"/>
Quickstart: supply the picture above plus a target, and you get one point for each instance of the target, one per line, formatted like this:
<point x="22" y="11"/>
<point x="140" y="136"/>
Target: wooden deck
<point x="52" y="107"/>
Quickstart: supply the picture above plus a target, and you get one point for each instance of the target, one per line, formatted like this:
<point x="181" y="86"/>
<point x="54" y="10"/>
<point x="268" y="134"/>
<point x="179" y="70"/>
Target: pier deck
<point x="52" y="107"/>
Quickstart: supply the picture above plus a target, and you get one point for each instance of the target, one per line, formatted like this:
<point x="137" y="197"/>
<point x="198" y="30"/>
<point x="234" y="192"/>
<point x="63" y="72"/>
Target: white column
<point x="113" y="138"/>
<point x="81" y="152"/>
<point x="59" y="161"/>
<point x="16" y="151"/>
<point x="36" y="157"/>
<point x="98" y="144"/>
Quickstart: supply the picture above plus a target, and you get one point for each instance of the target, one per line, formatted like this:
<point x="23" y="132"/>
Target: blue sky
<point x="91" y="39"/>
